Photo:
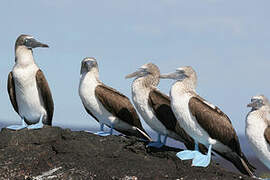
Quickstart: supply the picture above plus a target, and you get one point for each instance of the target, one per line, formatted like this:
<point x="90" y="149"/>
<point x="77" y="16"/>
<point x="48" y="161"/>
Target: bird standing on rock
<point x="204" y="122"/>
<point x="155" y="107"/>
<point x="107" y="105"/>
<point x="258" y="128"/>
<point x="28" y="89"/>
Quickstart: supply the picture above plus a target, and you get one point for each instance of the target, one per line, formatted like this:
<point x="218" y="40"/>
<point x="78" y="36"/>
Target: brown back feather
<point x="46" y="95"/>
<point x="118" y="104"/>
<point x="161" y="105"/>
<point x="267" y="134"/>
<point x="11" y="92"/>
<point x="215" y="123"/>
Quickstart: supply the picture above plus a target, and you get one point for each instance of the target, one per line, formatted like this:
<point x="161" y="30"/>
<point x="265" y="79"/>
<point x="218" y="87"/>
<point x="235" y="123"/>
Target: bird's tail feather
<point x="145" y="135"/>
<point x="241" y="163"/>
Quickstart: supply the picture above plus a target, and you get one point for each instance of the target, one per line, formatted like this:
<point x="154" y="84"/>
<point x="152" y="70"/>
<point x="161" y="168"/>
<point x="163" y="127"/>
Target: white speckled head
<point x="148" y="72"/>
<point x="185" y="74"/>
<point x="258" y="101"/>
<point x="88" y="64"/>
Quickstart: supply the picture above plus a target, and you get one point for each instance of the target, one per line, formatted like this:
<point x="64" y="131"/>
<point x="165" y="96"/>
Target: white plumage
<point x="140" y="97"/>
<point x="256" y="123"/>
<point x="88" y="84"/>
<point x="28" y="98"/>
<point x="179" y="103"/>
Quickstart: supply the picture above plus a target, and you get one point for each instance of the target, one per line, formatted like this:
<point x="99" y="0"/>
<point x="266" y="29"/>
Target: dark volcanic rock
<point x="55" y="153"/>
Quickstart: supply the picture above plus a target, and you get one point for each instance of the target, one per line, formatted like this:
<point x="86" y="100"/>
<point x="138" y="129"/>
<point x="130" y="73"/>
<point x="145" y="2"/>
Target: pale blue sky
<point x="227" y="43"/>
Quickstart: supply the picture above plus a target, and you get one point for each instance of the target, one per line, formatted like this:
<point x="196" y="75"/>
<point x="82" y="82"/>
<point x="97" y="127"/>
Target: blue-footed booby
<point x="154" y="106"/>
<point x="107" y="105"/>
<point x="258" y="128"/>
<point x="28" y="89"/>
<point x="204" y="122"/>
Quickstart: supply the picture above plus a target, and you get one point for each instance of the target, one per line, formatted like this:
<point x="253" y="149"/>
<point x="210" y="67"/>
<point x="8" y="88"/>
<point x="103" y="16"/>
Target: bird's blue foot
<point x="187" y="154"/>
<point x="155" y="144"/>
<point x="35" y="126"/>
<point x="16" y="127"/>
<point x="103" y="133"/>
<point x="39" y="125"/>
<point x="158" y="143"/>
<point x="202" y="160"/>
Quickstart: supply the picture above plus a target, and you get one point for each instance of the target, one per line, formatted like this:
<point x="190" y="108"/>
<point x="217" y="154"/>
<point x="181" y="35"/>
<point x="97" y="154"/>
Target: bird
<point x="106" y="105"/>
<point x="258" y="128"/>
<point x="154" y="106"/>
<point x="28" y="88"/>
<point x="204" y="122"/>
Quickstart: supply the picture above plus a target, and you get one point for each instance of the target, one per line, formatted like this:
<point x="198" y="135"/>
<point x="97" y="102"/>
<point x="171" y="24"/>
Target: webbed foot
<point x="155" y="144"/>
<point x="187" y="154"/>
<point x="16" y="127"/>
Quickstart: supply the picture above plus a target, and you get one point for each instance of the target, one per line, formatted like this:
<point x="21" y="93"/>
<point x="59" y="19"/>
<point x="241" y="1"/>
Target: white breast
<point x="29" y="101"/>
<point x="88" y="84"/>
<point x="140" y="96"/>
<point x="179" y="104"/>
<point x="255" y="127"/>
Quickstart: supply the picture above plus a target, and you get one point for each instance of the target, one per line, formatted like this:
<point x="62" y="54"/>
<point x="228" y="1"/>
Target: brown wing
<point x="11" y="92"/>
<point x="46" y="95"/>
<point x="91" y="114"/>
<point x="118" y="104"/>
<point x="161" y="105"/>
<point x="267" y="134"/>
<point x="215" y="123"/>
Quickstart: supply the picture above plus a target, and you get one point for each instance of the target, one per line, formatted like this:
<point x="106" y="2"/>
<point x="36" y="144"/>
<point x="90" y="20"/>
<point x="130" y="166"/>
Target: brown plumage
<point x="46" y="95"/>
<point x="267" y="134"/>
<point x="120" y="106"/>
<point x="219" y="127"/>
<point x="11" y="92"/>
<point x="161" y="105"/>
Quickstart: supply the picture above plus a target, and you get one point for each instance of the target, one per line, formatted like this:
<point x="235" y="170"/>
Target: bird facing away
<point x="155" y="107"/>
<point x="28" y="89"/>
<point x="204" y="122"/>
<point x="107" y="105"/>
<point x="258" y="128"/>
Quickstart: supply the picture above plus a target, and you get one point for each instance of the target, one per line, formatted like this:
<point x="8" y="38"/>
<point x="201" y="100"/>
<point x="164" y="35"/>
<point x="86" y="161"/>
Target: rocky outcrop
<point x="55" y="153"/>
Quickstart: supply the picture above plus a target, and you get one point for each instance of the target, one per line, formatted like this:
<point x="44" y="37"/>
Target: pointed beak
<point x="134" y="74"/>
<point x="252" y="104"/>
<point x="32" y="43"/>
<point x="172" y="75"/>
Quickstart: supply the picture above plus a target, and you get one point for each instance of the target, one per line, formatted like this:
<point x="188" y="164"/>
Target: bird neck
<point x="92" y="74"/>
<point x="24" y="57"/>
<point x="146" y="82"/>
<point x="185" y="85"/>
<point x="258" y="116"/>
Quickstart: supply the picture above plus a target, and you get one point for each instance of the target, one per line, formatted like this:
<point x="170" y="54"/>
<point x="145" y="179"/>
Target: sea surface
<point x="261" y="169"/>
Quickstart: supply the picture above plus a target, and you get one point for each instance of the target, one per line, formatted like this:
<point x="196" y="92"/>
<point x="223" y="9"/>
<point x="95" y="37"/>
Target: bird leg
<point x="102" y="132"/>
<point x="202" y="160"/>
<point x="165" y="139"/>
<point x="156" y="144"/>
<point x="18" y="127"/>
<point x="38" y="125"/>
<point x="189" y="154"/>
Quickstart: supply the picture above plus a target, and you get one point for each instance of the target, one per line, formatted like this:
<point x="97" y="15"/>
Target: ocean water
<point x="261" y="169"/>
